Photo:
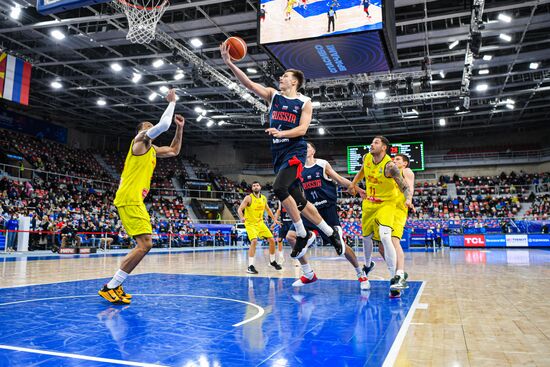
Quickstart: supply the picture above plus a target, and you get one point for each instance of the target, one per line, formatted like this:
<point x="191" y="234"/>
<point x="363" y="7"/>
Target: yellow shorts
<point x="376" y="215"/>
<point x="135" y="219"/>
<point x="258" y="230"/>
<point x="399" y="221"/>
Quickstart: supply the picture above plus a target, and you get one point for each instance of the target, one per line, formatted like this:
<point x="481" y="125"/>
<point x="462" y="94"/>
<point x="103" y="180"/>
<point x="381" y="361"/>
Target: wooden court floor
<point x="478" y="307"/>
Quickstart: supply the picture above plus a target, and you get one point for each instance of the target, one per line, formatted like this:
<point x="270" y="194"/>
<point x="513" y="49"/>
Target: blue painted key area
<point x="196" y="320"/>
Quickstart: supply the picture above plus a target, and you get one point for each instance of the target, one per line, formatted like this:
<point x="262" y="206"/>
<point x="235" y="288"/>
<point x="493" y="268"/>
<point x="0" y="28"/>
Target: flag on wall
<point x="17" y="80"/>
<point x="3" y="59"/>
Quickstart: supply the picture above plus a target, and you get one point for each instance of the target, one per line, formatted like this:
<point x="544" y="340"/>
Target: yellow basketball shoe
<point x="120" y="292"/>
<point x="111" y="296"/>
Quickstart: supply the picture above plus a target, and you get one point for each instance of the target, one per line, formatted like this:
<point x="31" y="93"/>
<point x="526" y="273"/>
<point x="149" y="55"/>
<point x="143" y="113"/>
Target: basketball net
<point x="143" y="17"/>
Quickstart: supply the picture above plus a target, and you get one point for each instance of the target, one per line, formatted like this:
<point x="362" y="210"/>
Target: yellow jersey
<point x="379" y="188"/>
<point x="135" y="180"/>
<point x="254" y="213"/>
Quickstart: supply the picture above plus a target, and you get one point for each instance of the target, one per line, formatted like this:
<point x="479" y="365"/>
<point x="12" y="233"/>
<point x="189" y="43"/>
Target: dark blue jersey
<point x="284" y="217"/>
<point x="320" y="190"/>
<point x="285" y="114"/>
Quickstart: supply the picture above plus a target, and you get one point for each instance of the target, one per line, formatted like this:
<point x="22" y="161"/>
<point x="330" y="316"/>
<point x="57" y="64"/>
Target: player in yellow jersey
<point x="379" y="204"/>
<point x="251" y="212"/>
<point x="135" y="183"/>
<point x="399" y="281"/>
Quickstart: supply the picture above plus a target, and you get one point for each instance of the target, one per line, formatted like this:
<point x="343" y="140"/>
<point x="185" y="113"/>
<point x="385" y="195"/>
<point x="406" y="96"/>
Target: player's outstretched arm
<point x="265" y="93"/>
<point x="142" y="141"/>
<point x="244" y="204"/>
<point x="391" y="170"/>
<point x="352" y="189"/>
<point x="175" y="147"/>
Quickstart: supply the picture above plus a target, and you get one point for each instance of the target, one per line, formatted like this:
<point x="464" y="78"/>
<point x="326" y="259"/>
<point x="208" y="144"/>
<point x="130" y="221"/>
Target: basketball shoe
<point x="304" y="280"/>
<point x="302" y="244"/>
<point x="112" y="296"/>
<point x="275" y="265"/>
<point x="251" y="270"/>
<point x="337" y="241"/>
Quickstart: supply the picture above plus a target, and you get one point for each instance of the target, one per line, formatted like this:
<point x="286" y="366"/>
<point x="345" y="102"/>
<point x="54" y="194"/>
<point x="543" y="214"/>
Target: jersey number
<point x="314" y="195"/>
<point x="372" y="192"/>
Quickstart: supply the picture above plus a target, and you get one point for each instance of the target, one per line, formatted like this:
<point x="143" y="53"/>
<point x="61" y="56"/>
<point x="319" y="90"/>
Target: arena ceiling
<point x="517" y="94"/>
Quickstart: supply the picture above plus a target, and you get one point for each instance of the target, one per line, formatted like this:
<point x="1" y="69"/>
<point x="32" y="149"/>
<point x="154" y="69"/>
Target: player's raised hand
<point x="224" y="49"/>
<point x="179" y="120"/>
<point x="171" y="96"/>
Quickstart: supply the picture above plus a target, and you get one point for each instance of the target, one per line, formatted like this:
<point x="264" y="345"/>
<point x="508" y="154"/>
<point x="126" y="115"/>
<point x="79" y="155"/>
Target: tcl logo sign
<point x="474" y="240"/>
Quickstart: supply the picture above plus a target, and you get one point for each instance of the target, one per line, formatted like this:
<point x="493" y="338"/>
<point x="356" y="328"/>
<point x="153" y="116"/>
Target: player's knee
<point x="385" y="234"/>
<point x="280" y="190"/>
<point x="297" y="194"/>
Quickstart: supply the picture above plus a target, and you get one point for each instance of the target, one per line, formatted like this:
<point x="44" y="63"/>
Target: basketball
<point x="237" y="49"/>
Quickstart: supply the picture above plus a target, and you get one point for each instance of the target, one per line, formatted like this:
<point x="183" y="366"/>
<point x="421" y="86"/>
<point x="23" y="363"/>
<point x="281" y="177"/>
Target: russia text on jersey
<point x="283" y="116"/>
<point x="312" y="184"/>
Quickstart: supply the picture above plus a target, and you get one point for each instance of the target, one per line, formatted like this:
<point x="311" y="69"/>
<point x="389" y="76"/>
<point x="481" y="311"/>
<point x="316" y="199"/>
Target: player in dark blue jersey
<point x="282" y="216"/>
<point x="289" y="118"/>
<point x="320" y="185"/>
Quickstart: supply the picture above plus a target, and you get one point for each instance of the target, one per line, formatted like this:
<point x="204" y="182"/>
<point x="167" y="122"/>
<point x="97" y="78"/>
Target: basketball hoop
<point x="143" y="16"/>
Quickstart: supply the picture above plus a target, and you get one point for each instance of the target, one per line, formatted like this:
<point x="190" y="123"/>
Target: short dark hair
<point x="140" y="126"/>
<point x="384" y="141"/>
<point x="312" y="145"/>
<point x="256" y="182"/>
<point x="405" y="159"/>
<point x="299" y="75"/>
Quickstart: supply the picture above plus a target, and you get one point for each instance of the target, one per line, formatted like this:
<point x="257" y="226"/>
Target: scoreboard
<point x="413" y="150"/>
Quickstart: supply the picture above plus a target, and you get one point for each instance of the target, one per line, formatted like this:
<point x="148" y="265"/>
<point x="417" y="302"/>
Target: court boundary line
<point x="78" y="356"/>
<point x="260" y="309"/>
<point x="247" y="276"/>
<point x="391" y="357"/>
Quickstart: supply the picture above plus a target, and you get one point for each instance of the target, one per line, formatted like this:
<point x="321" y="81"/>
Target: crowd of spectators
<point x="49" y="156"/>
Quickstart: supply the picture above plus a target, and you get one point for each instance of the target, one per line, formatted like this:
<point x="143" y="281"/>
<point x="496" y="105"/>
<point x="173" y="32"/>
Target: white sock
<point x="308" y="272"/>
<point x="119" y="278"/>
<point x="389" y="250"/>
<point x="300" y="229"/>
<point x="367" y="249"/>
<point x="271" y="258"/>
<point x="280" y="255"/>
<point x="250" y="261"/>
<point x="325" y="228"/>
<point x="401" y="273"/>
<point x="359" y="272"/>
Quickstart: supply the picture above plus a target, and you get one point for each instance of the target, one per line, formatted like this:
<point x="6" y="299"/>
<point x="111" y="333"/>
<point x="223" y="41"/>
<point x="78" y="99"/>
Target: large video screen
<point x="288" y="20"/>
<point x="334" y="56"/>
<point x="414" y="150"/>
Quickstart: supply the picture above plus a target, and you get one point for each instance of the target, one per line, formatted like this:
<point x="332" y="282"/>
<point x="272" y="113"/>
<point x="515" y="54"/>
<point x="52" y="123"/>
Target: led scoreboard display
<point x="414" y="150"/>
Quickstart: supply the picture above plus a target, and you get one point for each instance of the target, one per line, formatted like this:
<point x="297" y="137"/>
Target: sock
<point x="359" y="272"/>
<point x="389" y="250"/>
<point x="119" y="278"/>
<point x="280" y="255"/>
<point x="367" y="249"/>
<point x="271" y="258"/>
<point x="308" y="272"/>
<point x="250" y="261"/>
<point x="325" y="228"/>
<point x="300" y="229"/>
<point x="401" y="273"/>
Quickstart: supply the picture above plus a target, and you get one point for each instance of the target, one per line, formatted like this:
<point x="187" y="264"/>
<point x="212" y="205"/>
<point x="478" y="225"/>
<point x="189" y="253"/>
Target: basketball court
<point x="461" y="90"/>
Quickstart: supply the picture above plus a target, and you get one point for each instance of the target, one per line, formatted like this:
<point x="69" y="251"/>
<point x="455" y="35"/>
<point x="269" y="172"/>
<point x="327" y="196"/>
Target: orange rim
<point x="148" y="8"/>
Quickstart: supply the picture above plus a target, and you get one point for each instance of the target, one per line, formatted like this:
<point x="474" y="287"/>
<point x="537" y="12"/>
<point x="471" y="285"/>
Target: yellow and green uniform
<point x="379" y="206"/>
<point x="135" y="183"/>
<point x="254" y="218"/>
